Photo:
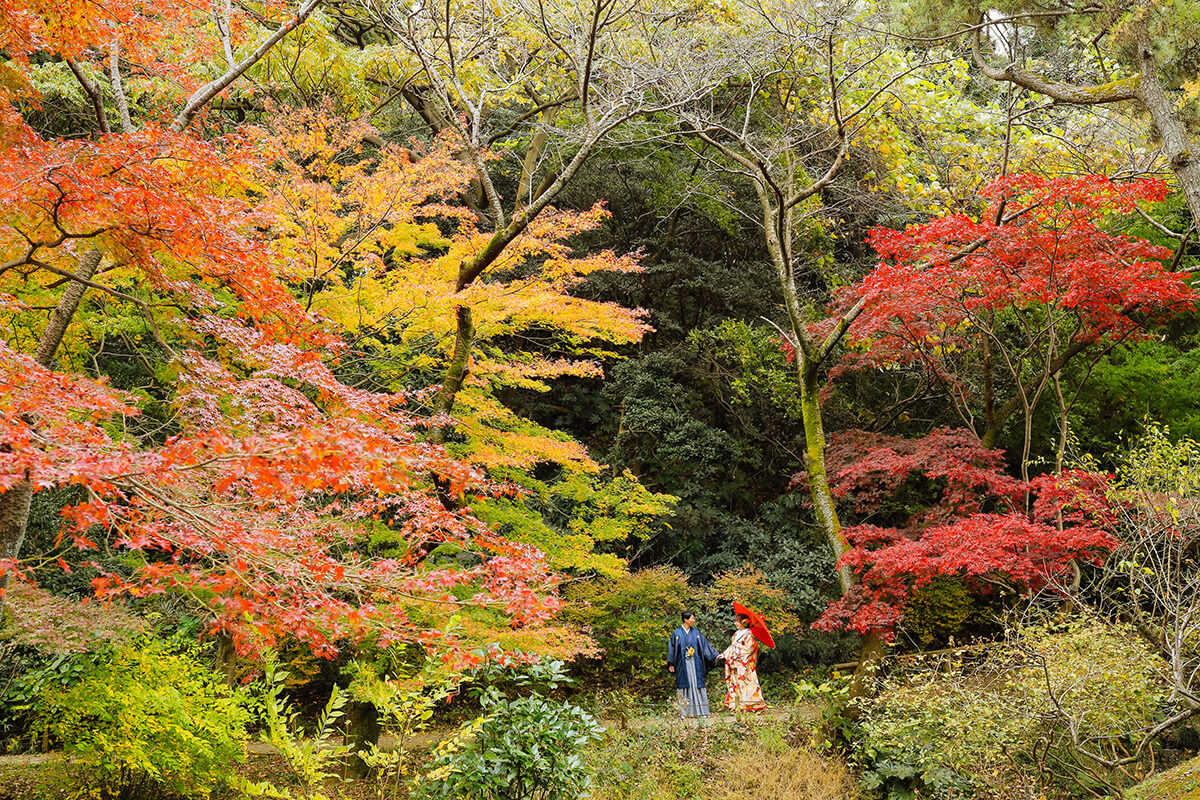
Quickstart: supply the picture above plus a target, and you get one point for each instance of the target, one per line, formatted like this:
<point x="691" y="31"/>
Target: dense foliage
<point x="1006" y="721"/>
<point x="148" y="721"/>
<point x="365" y="364"/>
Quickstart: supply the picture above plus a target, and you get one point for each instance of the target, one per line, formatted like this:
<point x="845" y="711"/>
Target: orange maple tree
<point x="260" y="505"/>
<point x="378" y="238"/>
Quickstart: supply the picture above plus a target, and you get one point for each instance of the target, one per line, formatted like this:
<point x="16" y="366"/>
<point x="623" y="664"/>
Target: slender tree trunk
<point x="529" y="164"/>
<point x="1004" y="413"/>
<point x="989" y="389"/>
<point x="456" y="373"/>
<point x="871" y="651"/>
<point x="362" y="731"/>
<point x="15" y="503"/>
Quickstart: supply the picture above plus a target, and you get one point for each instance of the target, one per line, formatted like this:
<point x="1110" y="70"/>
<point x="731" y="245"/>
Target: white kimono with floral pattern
<point x="742" y="691"/>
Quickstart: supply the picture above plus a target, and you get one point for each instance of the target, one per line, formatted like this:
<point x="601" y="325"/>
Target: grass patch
<point x="1181" y="782"/>
<point x="43" y="777"/>
<point x="773" y="764"/>
<point x="657" y="760"/>
<point x="750" y="758"/>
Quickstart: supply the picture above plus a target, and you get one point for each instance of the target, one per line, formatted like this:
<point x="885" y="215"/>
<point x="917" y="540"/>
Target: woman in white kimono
<point x="742" y="691"/>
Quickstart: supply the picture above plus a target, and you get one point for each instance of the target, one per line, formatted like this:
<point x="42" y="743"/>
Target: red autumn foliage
<point x="1017" y="293"/>
<point x="260" y="509"/>
<point x="866" y="469"/>
<point x="1047" y="271"/>
<point x="266" y="529"/>
<point x="975" y="528"/>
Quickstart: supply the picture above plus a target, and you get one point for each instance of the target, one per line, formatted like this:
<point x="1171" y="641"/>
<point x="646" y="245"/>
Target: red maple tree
<point x="974" y="527"/>
<point x="987" y="306"/>
<point x="1000" y="304"/>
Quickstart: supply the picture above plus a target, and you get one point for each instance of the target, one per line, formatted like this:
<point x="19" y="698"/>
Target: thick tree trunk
<point x="1145" y="88"/>
<point x="814" y="467"/>
<point x="14" y="518"/>
<point x="227" y="658"/>
<point x="64" y="312"/>
<point x="14" y="503"/>
<point x="1177" y="146"/>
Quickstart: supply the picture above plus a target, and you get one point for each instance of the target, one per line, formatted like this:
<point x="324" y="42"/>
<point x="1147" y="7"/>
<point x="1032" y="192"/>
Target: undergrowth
<point x="755" y="758"/>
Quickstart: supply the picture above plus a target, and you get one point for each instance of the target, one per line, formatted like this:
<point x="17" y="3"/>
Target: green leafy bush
<point x="1002" y="725"/>
<point x="520" y="749"/>
<point x="937" y="611"/>
<point x="49" y="642"/>
<point x="630" y="617"/>
<point x="747" y="585"/>
<point x="148" y="722"/>
<point x="25" y="676"/>
<point x="403" y="705"/>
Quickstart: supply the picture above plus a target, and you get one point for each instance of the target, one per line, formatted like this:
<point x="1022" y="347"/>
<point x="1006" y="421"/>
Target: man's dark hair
<point x="686" y="615"/>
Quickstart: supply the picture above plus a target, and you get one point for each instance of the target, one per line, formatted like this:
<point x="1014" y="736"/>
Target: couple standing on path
<point x="690" y="656"/>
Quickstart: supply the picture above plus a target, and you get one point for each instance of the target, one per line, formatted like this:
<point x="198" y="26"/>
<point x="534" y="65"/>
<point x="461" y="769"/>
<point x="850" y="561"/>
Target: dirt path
<point x="29" y="760"/>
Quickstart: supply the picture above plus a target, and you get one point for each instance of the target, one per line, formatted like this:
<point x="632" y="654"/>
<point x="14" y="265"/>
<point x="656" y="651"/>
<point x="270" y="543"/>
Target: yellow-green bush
<point x="749" y="586"/>
<point x="149" y="722"/>
<point x="1002" y="725"/>
<point x="937" y="611"/>
<point x="630" y="617"/>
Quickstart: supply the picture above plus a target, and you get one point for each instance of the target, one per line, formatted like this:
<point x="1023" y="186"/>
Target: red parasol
<point x="758" y="625"/>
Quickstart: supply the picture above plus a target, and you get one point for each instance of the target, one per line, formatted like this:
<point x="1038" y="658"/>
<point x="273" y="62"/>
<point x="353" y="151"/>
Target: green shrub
<point x="1002" y="725"/>
<point x="147" y="722"/>
<point x="749" y="586"/>
<point x="937" y="610"/>
<point x="310" y="755"/>
<point x="26" y="675"/>
<point x="520" y="749"/>
<point x="630" y="616"/>
<point x="49" y="642"/>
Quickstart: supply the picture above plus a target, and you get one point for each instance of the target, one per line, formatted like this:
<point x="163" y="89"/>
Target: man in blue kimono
<point x="689" y="657"/>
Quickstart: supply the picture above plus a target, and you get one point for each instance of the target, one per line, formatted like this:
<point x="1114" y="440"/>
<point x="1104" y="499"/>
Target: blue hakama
<point x="692" y="656"/>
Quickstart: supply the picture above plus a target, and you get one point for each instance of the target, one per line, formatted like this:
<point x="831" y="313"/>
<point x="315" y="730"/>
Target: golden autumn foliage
<point x="376" y="238"/>
<point x="374" y="235"/>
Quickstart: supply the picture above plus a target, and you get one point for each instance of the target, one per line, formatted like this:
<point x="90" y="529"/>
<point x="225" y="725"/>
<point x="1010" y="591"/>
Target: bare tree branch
<point x="205" y="93"/>
<point x="93" y="93"/>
